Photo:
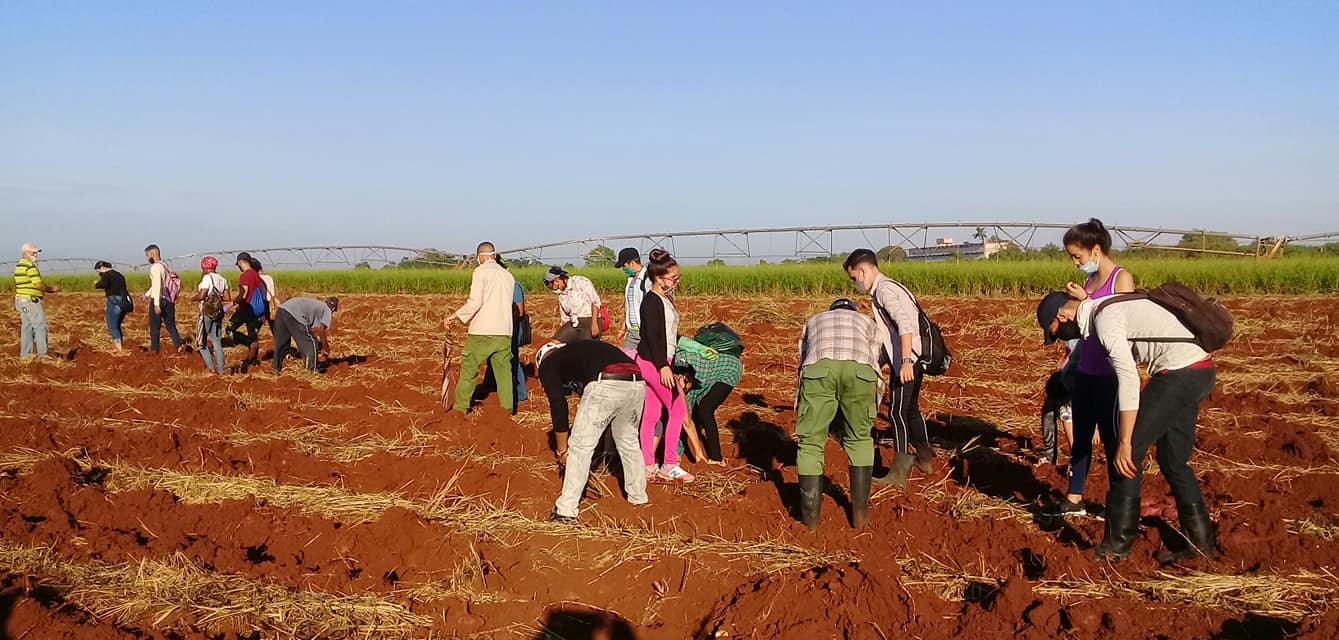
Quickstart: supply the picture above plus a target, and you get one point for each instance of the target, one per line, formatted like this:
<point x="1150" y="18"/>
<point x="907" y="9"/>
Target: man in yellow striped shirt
<point x="28" y="292"/>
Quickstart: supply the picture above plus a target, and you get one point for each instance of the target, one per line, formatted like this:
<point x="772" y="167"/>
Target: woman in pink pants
<point x="655" y="354"/>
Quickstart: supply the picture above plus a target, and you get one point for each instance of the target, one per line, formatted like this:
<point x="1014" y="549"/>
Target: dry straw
<point x="176" y="593"/>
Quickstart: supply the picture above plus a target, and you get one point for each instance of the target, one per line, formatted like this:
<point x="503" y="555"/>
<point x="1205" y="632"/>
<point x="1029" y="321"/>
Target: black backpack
<point x="1207" y="320"/>
<point x="935" y="356"/>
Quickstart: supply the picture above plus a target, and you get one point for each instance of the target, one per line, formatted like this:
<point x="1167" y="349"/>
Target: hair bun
<point x="1096" y="223"/>
<point x="659" y="255"/>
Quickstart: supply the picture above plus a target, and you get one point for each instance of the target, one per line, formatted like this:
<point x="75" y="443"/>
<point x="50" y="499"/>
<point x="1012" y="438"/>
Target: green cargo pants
<point x="825" y="387"/>
<point x="480" y="349"/>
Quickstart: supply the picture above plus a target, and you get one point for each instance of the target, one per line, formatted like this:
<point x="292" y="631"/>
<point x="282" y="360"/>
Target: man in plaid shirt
<point x="839" y="369"/>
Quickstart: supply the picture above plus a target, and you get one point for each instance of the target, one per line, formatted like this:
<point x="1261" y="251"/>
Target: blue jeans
<point x="156" y="321"/>
<point x="32" y="322"/>
<point x="114" y="317"/>
<point x="211" y="340"/>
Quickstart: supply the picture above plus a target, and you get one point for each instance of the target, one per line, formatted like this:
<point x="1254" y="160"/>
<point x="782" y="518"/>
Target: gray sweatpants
<point x="615" y="404"/>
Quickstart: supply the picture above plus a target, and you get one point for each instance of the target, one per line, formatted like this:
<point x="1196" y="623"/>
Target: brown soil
<point x="962" y="553"/>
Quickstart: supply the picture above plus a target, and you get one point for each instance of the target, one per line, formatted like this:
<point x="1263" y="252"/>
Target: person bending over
<point x="612" y="392"/>
<point x="305" y="321"/>
<point x="1135" y="330"/>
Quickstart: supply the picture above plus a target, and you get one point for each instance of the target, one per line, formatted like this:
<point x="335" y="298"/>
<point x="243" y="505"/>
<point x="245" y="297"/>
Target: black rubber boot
<point x="925" y="459"/>
<point x="811" y="500"/>
<point x="1121" y="529"/>
<point x="898" y="472"/>
<point x="860" y="479"/>
<point x="1199" y="532"/>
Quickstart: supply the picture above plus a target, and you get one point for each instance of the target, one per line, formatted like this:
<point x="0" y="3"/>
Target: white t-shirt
<point x="212" y="282"/>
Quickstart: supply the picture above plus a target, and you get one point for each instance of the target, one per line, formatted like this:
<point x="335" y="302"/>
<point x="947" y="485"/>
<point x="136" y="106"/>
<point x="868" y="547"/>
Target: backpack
<point x="171" y="284"/>
<point x="1208" y="321"/>
<point x="212" y="306"/>
<point x="721" y="337"/>
<point x="257" y="303"/>
<point x="935" y="356"/>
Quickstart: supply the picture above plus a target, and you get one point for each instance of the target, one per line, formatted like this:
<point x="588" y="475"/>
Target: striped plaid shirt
<point x="841" y="334"/>
<point x="28" y="280"/>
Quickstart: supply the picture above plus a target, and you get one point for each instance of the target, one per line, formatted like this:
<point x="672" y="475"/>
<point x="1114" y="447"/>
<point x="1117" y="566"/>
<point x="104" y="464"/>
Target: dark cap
<point x="242" y="257"/>
<point x="333" y="303"/>
<point x="626" y="255"/>
<point x="843" y="303"/>
<point x="1047" y="310"/>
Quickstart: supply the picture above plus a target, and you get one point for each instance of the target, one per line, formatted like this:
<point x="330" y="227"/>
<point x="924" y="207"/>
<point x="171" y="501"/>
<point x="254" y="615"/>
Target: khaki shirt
<point x="488" y="309"/>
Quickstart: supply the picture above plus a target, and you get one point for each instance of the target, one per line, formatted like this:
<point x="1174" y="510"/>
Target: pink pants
<point x="657" y="398"/>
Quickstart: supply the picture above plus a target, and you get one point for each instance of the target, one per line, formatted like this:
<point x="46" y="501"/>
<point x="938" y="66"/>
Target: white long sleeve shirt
<point x="1121" y="325"/>
<point x="488" y="310"/>
<point x="157" y="277"/>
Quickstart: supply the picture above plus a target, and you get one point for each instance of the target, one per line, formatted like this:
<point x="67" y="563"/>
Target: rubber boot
<point x="1199" y="532"/>
<point x="898" y="472"/>
<point x="811" y="500"/>
<point x="925" y="459"/>
<point x="860" y="479"/>
<point x="1121" y="529"/>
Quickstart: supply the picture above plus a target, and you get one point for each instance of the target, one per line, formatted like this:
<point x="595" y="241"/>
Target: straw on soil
<point x="472" y="514"/>
<point x="178" y="594"/>
<point x="1292" y="597"/>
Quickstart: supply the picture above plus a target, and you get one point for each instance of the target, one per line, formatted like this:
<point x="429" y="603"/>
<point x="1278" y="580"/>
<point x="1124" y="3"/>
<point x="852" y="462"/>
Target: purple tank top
<point x="1093" y="359"/>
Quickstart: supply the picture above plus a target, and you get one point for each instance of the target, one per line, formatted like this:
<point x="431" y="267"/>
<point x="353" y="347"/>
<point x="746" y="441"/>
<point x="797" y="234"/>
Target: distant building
<point x="948" y="249"/>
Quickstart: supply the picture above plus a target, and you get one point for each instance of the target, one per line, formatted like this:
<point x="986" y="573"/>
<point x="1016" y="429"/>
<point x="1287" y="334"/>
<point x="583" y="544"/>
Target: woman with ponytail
<point x="1094" y="393"/>
<point x="655" y="355"/>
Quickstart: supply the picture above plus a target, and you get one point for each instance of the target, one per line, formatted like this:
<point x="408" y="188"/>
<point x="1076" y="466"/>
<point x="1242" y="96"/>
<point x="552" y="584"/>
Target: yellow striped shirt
<point x="27" y="280"/>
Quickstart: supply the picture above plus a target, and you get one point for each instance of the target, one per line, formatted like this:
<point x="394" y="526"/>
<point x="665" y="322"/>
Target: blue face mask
<point x="1090" y="267"/>
<point x="629" y="271"/>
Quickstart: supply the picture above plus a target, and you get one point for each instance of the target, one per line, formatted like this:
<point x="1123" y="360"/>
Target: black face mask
<point x="1068" y="330"/>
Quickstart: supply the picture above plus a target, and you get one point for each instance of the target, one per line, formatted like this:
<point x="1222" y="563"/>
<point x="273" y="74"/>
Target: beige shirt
<point x="1120" y="327"/>
<point x="488" y="309"/>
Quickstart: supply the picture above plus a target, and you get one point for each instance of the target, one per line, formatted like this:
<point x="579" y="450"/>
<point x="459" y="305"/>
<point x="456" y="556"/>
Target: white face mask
<point x="1090" y="267"/>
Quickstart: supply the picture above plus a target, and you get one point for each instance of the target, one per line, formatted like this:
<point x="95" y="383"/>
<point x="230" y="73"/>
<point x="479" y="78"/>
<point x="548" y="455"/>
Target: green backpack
<point x="721" y="337"/>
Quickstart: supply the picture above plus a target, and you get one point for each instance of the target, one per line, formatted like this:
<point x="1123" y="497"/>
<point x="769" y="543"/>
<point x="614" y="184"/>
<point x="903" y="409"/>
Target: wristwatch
<point x="908" y="361"/>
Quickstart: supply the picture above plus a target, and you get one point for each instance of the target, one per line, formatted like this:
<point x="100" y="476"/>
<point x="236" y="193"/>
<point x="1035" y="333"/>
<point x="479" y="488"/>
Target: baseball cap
<point x="626" y="255"/>
<point x="1047" y="310"/>
<point x="209" y="263"/>
<point x="333" y="303"/>
<point x="242" y="257"/>
<point x="843" y="303"/>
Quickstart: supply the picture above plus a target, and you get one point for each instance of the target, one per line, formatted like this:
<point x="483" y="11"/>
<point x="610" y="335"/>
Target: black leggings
<point x="905" y="411"/>
<point x="704" y="416"/>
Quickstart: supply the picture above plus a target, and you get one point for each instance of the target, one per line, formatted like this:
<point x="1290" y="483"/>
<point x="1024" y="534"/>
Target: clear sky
<point x="217" y="125"/>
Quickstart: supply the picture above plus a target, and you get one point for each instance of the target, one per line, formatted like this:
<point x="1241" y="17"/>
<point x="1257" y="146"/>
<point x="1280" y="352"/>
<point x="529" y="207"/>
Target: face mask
<point x="1089" y="267"/>
<point x="860" y="286"/>
<point x="1068" y="330"/>
<point x="629" y="271"/>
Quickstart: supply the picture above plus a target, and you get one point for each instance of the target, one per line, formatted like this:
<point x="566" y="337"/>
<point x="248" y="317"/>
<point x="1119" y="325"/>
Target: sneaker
<point x="676" y="473"/>
<point x="652" y="471"/>
<point x="1066" y="509"/>
<point x="557" y="517"/>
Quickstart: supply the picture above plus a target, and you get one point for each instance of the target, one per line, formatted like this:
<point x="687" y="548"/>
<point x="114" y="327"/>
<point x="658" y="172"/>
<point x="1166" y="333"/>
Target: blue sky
<point x="212" y="125"/>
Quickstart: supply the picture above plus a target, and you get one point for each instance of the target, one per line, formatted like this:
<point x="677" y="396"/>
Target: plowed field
<point x="140" y="497"/>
